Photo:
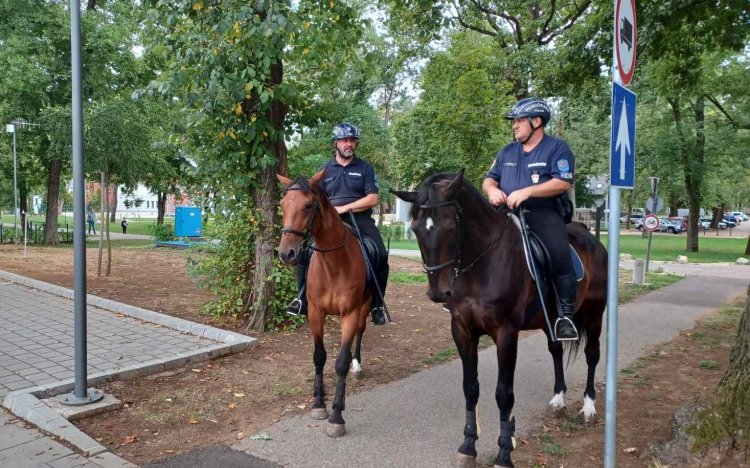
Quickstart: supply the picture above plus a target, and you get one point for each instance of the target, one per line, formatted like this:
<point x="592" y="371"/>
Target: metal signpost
<point x="11" y="128"/>
<point x="653" y="205"/>
<point x="81" y="395"/>
<point x="622" y="175"/>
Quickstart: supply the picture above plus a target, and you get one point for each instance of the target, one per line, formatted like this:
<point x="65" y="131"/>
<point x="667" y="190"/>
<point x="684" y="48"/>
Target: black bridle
<point x="456" y="260"/>
<point x="306" y="234"/>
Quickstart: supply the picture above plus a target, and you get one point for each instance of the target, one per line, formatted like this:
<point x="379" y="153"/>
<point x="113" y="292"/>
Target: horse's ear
<point x="452" y="189"/>
<point x="284" y="180"/>
<point x="409" y="197"/>
<point x="315" y="180"/>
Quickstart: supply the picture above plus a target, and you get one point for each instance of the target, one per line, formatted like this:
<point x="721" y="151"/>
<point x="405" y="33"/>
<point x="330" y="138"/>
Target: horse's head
<point x="436" y="222"/>
<point x="299" y="207"/>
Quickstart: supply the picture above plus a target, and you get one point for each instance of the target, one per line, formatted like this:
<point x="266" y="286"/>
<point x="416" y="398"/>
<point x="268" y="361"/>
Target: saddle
<point x="537" y="252"/>
<point x="370" y="249"/>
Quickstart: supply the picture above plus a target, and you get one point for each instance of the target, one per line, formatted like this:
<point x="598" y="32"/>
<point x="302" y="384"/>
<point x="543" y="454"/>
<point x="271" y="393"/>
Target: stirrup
<point x="294" y="307"/>
<point x="562" y="320"/>
<point x="378" y="315"/>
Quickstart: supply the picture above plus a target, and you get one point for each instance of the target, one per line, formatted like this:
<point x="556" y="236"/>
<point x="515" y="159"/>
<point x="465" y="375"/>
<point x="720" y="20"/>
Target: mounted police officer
<point x="537" y="170"/>
<point x="350" y="184"/>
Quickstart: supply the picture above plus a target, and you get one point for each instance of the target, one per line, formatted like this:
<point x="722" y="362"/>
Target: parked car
<point x="634" y="218"/>
<point x="705" y="223"/>
<point x="730" y="221"/>
<point x="737" y="219"/>
<point x="679" y="219"/>
<point x="741" y="215"/>
<point x="665" y="225"/>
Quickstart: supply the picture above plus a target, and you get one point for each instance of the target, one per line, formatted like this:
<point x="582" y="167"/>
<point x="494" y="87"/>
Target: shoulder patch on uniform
<point x="563" y="165"/>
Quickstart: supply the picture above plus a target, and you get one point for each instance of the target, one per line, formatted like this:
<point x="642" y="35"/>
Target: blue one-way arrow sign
<point x="622" y="142"/>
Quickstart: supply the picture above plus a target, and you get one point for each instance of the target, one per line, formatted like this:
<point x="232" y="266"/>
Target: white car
<point x="740" y="215"/>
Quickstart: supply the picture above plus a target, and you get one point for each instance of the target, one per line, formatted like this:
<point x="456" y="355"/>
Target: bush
<point x="161" y="232"/>
<point x="393" y="231"/>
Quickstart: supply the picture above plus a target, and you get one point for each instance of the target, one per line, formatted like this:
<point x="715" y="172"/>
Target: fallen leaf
<point x="197" y="370"/>
<point x="630" y="450"/>
<point x="169" y="451"/>
<point x="231" y="406"/>
<point x="129" y="439"/>
<point x="239" y="395"/>
<point x="192" y="421"/>
<point x="301" y="406"/>
<point x="240" y="435"/>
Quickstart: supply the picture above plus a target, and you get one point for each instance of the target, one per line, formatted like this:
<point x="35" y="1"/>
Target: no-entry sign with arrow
<point x="622" y="141"/>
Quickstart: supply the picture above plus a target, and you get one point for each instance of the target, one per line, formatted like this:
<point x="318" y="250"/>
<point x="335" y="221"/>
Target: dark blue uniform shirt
<point x="346" y="184"/>
<point x="516" y="169"/>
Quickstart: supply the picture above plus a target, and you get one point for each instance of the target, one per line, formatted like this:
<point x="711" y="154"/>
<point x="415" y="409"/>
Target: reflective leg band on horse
<point x="369" y="265"/>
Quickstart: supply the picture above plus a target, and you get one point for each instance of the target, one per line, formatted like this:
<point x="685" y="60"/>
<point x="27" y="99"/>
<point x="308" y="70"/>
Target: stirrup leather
<point x="563" y="320"/>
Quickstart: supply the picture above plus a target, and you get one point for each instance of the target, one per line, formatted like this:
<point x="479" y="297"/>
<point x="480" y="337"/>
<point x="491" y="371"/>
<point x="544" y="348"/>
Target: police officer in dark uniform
<point x="350" y="184"/>
<point x="536" y="170"/>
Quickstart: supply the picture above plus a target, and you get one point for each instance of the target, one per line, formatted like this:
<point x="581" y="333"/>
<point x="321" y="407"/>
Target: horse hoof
<point x="335" y="430"/>
<point x="465" y="461"/>
<point x="319" y="413"/>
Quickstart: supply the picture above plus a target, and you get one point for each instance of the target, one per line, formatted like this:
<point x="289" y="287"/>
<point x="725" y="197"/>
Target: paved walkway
<point x="36" y="361"/>
<point x="417" y="422"/>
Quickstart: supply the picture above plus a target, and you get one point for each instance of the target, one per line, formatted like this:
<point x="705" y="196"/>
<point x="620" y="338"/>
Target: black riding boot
<point x="377" y="313"/>
<point x="566" y="286"/>
<point x="298" y="306"/>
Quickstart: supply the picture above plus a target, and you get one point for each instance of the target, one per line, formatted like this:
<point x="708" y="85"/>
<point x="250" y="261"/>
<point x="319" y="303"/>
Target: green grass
<point x="549" y="446"/>
<point x="628" y="292"/>
<point x="667" y="247"/>
<point x="664" y="247"/>
<point x="135" y="226"/>
<point x="708" y="364"/>
<point x="400" y="277"/>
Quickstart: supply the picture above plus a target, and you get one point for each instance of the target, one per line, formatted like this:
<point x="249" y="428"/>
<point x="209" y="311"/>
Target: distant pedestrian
<point x="91" y="218"/>
<point x="124" y="224"/>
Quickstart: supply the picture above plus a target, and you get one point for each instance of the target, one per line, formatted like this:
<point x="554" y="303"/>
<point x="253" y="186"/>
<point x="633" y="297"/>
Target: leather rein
<point x="306" y="234"/>
<point x="456" y="260"/>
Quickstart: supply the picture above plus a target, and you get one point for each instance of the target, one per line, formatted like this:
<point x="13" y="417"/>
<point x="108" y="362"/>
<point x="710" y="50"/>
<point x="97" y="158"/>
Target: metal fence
<point x="34" y="233"/>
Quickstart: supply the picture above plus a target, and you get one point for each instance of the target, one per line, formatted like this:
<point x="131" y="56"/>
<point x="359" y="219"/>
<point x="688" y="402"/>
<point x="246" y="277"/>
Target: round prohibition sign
<point x="650" y="222"/>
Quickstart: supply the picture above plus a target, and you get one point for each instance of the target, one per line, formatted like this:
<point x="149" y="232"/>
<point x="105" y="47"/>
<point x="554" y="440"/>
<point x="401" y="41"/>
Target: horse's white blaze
<point x="558" y="401"/>
<point x="589" y="409"/>
<point x="355" y="368"/>
<point x="429" y="224"/>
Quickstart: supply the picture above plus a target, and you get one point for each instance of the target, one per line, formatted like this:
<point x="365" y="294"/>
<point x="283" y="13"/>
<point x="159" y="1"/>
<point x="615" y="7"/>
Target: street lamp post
<point x="11" y="128"/>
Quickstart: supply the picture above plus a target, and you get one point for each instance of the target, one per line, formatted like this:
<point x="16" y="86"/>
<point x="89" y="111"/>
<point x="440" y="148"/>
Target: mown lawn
<point x="664" y="247"/>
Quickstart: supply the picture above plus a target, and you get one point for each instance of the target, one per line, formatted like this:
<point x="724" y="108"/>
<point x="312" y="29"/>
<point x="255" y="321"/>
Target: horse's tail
<point x="574" y="347"/>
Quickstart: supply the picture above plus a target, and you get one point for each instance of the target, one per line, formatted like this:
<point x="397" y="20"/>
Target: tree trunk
<point x="113" y="208"/>
<point x="692" y="155"/>
<point x="161" y="203"/>
<point x="747" y="248"/>
<point x="53" y="198"/>
<point x="266" y="197"/>
<point x="734" y="388"/>
<point x="23" y="205"/>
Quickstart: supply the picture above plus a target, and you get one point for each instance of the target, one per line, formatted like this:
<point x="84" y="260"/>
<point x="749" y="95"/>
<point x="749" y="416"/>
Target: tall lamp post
<point x="11" y="128"/>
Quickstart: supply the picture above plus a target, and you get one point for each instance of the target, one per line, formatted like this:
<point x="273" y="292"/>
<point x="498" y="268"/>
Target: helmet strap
<point x="533" y="130"/>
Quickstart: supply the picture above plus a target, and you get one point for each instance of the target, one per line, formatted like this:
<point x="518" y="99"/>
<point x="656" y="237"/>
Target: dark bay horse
<point x="336" y="284"/>
<point x="475" y="262"/>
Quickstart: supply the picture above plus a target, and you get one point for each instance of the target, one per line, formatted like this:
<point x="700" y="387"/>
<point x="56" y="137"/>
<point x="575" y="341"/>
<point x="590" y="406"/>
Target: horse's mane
<point x="302" y="184"/>
<point x="427" y="194"/>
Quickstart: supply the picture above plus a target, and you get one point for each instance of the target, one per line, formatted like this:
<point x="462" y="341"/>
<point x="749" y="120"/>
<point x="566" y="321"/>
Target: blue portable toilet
<point x="187" y="221"/>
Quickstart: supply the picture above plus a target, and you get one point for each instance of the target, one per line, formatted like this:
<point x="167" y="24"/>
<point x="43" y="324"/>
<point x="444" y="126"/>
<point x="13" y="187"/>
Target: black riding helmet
<point x="344" y="130"/>
<point x="530" y="107"/>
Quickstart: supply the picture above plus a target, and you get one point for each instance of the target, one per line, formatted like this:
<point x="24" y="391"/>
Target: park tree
<point x="35" y="59"/>
<point x="682" y="54"/>
<point x="247" y="75"/>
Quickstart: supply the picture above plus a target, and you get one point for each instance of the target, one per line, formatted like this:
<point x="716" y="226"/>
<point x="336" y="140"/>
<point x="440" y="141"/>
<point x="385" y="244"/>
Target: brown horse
<point x="336" y="284"/>
<point x="475" y="262"/>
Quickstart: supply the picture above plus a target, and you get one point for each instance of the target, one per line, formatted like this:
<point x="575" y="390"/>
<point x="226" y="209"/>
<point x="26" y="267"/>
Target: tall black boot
<point x="566" y="286"/>
<point x="298" y="306"/>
